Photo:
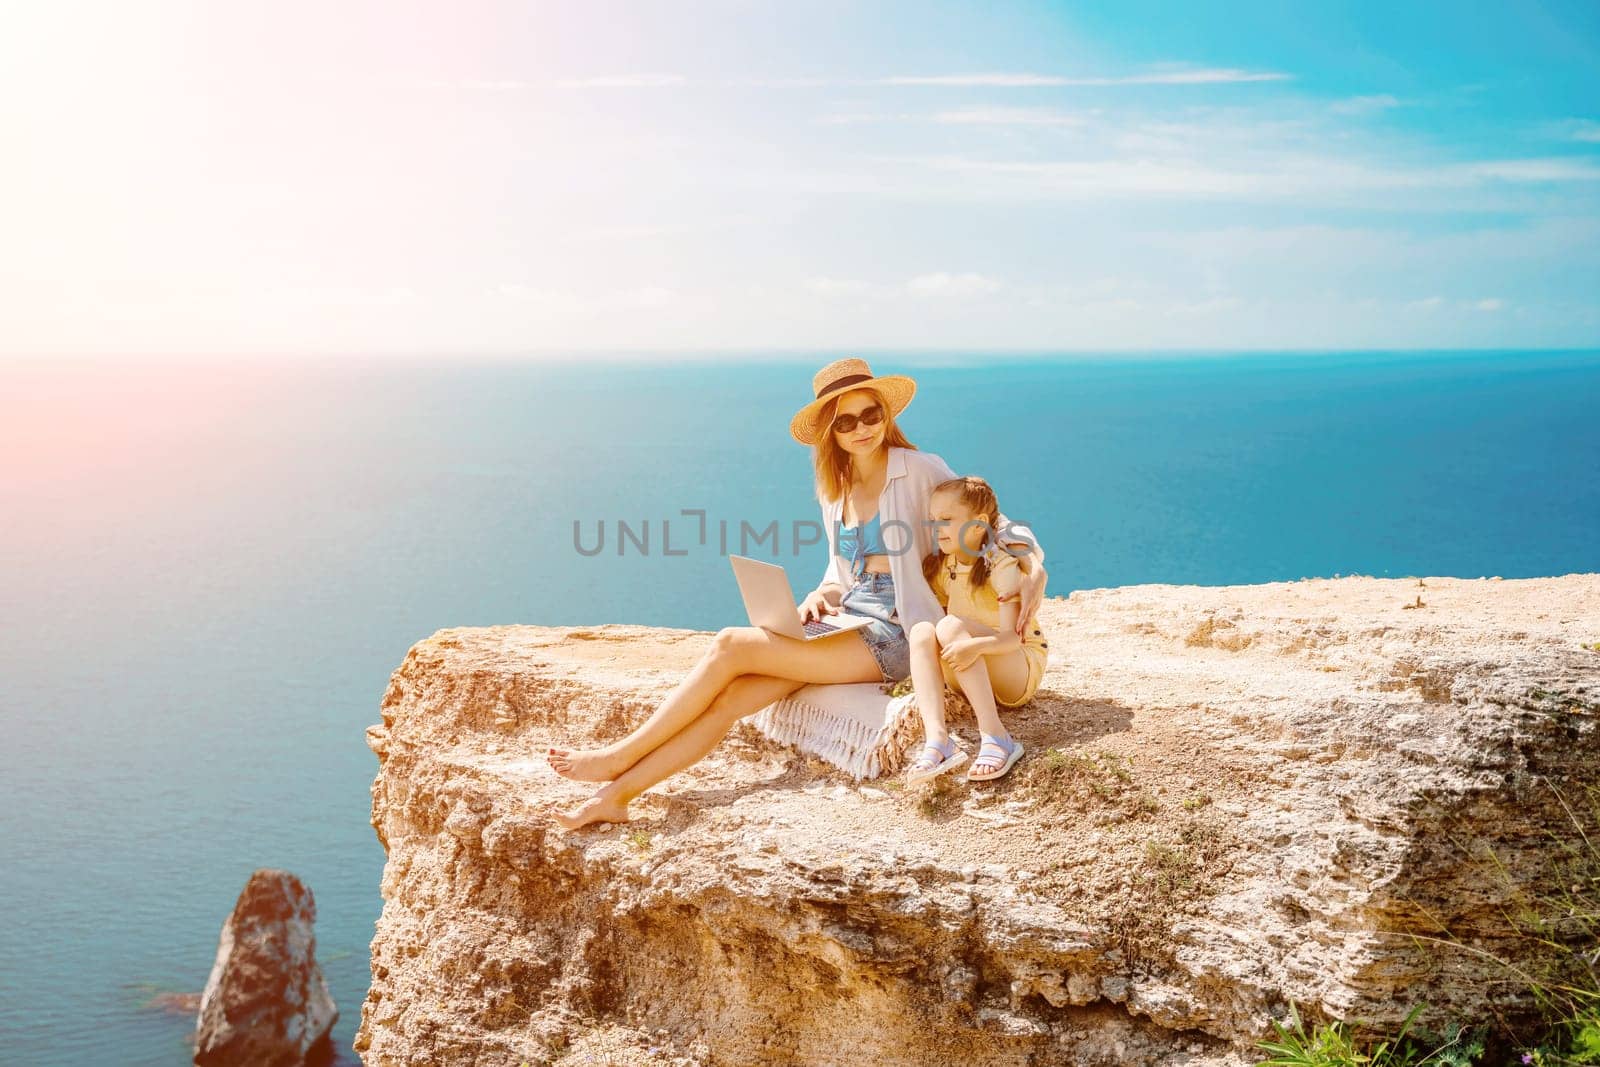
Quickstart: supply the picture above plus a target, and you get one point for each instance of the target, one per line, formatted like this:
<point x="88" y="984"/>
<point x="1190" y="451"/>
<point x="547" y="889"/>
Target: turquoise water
<point x="206" y="577"/>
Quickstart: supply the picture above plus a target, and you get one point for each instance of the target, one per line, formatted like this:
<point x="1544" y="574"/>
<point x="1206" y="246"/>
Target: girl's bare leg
<point x="1008" y="671"/>
<point x="927" y="681"/>
<point x="744" y="695"/>
<point x="737" y="650"/>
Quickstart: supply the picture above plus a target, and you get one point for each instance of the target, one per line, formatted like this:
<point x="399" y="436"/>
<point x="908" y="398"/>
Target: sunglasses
<point x="870" y="417"/>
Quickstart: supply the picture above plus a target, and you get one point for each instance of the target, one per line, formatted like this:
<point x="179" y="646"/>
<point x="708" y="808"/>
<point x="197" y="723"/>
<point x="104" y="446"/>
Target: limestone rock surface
<point x="1327" y="791"/>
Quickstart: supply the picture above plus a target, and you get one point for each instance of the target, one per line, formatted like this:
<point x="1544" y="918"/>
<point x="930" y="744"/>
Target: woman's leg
<point x="744" y="695"/>
<point x="927" y="681"/>
<point x="737" y="650"/>
<point x="1007" y="672"/>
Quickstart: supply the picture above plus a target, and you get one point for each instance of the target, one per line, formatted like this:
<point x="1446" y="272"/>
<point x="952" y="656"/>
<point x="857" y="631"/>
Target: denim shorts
<point x="873" y="597"/>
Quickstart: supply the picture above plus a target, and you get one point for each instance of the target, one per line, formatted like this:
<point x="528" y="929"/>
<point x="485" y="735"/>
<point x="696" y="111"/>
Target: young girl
<point x="974" y="647"/>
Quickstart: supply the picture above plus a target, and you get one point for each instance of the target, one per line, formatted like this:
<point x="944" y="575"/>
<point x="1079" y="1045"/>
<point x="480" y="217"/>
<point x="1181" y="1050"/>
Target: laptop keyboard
<point x="816" y="626"/>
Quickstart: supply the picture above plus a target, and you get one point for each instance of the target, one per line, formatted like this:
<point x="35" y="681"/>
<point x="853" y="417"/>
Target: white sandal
<point x="932" y="761"/>
<point x="999" y="753"/>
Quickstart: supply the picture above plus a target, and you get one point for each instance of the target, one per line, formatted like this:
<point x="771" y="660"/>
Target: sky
<point x="226" y="178"/>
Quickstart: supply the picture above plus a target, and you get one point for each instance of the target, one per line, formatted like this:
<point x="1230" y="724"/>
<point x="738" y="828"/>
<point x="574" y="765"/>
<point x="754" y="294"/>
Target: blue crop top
<point x="856" y="543"/>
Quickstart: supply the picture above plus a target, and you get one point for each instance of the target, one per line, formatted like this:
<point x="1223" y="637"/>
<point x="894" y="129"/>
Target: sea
<point x="210" y="568"/>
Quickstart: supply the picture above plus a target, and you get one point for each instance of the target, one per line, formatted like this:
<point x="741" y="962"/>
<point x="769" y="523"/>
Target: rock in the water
<point x="266" y="1003"/>
<point x="1233" y="798"/>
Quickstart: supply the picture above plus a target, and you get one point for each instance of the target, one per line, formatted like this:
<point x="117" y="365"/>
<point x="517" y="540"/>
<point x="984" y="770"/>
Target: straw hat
<point x="840" y="376"/>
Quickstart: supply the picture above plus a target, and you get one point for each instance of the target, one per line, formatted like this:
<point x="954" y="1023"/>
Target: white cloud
<point x="1110" y="176"/>
<point x="1203" y="307"/>
<point x="952" y="285"/>
<point x="1362" y="105"/>
<point x="1110" y="286"/>
<point x="502" y="85"/>
<point x="518" y="291"/>
<point x="1585" y="130"/>
<point x="991" y="80"/>
<point x="1261" y="152"/>
<point x="1008" y="116"/>
<point x="968" y="116"/>
<point x="1262" y="175"/>
<point x="1116" y="304"/>
<point x="559" y="303"/>
<point x="1571" y="239"/>
<point x="777" y="83"/>
<point x="940" y="284"/>
<point x="838" y="286"/>
<point x="1201" y="77"/>
<point x="635" y="233"/>
<point x="1208" y="137"/>
<point x="866" y="116"/>
<point x="1167" y="74"/>
<point x="1171" y="77"/>
<point x="332" y="294"/>
<point x="652" y="296"/>
<point x="545" y="303"/>
<point x="1554" y="169"/>
<point x="1434" y="303"/>
<point x="622" y="81"/>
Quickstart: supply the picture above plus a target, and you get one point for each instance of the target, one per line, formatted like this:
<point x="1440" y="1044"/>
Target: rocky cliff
<point x="1335" y="792"/>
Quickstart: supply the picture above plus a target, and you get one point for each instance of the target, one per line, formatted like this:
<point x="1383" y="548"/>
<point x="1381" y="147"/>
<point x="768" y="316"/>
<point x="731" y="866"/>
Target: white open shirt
<point x="912" y="476"/>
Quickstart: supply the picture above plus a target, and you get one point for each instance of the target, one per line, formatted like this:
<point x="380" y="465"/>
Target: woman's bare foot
<point x="586" y="764"/>
<point x="595" y="809"/>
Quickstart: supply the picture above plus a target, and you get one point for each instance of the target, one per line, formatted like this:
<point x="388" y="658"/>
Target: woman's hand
<point x="960" y="654"/>
<point x="815" y="606"/>
<point x="1031" y="591"/>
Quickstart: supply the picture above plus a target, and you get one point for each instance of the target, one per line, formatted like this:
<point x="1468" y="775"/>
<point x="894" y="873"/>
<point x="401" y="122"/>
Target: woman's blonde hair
<point x="978" y="497"/>
<point x="833" y="463"/>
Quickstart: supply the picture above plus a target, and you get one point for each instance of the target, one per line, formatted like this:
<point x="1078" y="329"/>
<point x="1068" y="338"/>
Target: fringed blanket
<point x="847" y="724"/>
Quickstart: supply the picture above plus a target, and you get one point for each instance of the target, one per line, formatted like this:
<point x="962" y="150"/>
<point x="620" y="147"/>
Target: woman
<point x="869" y="477"/>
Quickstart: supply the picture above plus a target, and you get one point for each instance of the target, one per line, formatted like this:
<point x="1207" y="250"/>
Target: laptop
<point x="769" y="599"/>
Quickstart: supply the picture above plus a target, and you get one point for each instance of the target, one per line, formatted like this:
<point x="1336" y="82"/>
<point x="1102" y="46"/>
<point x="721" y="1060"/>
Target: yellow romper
<point x="951" y="584"/>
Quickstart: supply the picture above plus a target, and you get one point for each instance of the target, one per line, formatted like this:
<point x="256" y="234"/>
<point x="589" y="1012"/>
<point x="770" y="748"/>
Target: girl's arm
<point x="964" y="653"/>
<point x="1031" y="592"/>
<point x="1007" y="580"/>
